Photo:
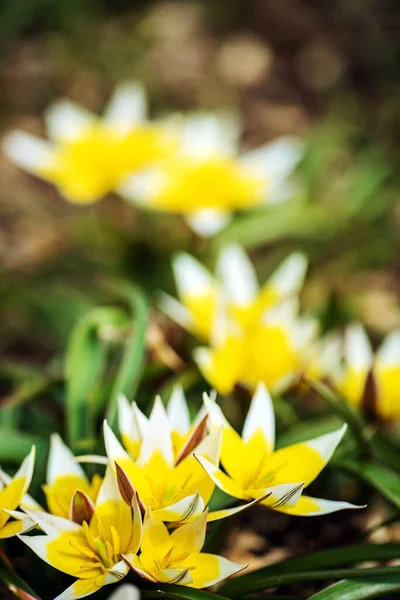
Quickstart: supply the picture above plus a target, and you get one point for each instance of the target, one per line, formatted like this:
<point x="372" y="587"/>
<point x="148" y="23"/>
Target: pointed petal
<point x="357" y="349"/>
<point x="192" y="279"/>
<point x="38" y="544"/>
<point x="275" y="161"/>
<point x="61" y="461"/>
<point x="210" y="447"/>
<point x="178" y="412"/>
<point x="208" y="222"/>
<point x="196" y="437"/>
<point x="210" y="569"/>
<point x="50" y="524"/>
<point x="155" y="535"/>
<point x="312" y="507"/>
<point x="158" y="437"/>
<point x="237" y="275"/>
<point x="132" y="425"/>
<point x="261" y="417"/>
<point x="181" y="511"/>
<point x="114" y="449"/>
<point x="127" y="107"/>
<point x="116" y="573"/>
<point x="388" y="354"/>
<point x="215" y="515"/>
<point x="82" y="508"/>
<point x="27" y="501"/>
<point x="216" y="418"/>
<point x="67" y="121"/>
<point x="28" y="151"/>
<point x="22" y="524"/>
<point x="109" y="488"/>
<point x="286" y="494"/>
<point x="284" y="314"/>
<point x="208" y="134"/>
<point x="190" y="537"/>
<point x="305" y="460"/>
<point x="289" y="276"/>
<point x="225" y="483"/>
<point x="176" y="311"/>
<point x="80" y="589"/>
<point x="25" y="472"/>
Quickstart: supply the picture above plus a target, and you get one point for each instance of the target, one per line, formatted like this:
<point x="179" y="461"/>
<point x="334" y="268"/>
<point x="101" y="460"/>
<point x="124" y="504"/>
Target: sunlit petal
<point x="127" y="107"/>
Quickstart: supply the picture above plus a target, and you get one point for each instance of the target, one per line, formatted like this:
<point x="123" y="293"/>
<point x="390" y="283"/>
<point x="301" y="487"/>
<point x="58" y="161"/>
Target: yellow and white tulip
<point x="273" y="349"/>
<point x="253" y="468"/>
<point x="200" y="293"/>
<point x="206" y="179"/>
<point x="64" y="477"/>
<point x="158" y="459"/>
<point x="90" y="545"/>
<point x="12" y="493"/>
<point x="176" y="557"/>
<point x="86" y="156"/>
<point x="382" y="369"/>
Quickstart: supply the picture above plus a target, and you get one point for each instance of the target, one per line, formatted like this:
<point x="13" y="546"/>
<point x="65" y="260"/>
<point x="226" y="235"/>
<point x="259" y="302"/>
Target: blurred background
<point x="327" y="71"/>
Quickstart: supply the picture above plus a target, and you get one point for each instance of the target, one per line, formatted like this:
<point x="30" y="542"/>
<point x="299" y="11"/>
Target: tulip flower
<point x="13" y="522"/>
<point x="206" y="179"/>
<point x="176" y="557"/>
<point x="174" y="486"/>
<point x="90" y="545"/>
<point x="64" y="477"/>
<point x="274" y="350"/>
<point x="87" y="157"/>
<point x="368" y="379"/>
<point x="134" y="425"/>
<point x="253" y="467"/>
<point x="200" y="294"/>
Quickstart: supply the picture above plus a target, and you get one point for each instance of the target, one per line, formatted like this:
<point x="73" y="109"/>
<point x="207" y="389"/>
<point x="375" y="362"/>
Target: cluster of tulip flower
<point x="148" y="512"/>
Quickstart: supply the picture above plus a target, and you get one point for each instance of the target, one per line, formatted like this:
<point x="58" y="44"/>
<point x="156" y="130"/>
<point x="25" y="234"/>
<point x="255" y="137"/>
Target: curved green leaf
<point x="15" y="445"/>
<point x="384" y="480"/>
<point x="360" y="589"/>
<point x="131" y="367"/>
<point x="85" y="359"/>
<point x="337" y="557"/>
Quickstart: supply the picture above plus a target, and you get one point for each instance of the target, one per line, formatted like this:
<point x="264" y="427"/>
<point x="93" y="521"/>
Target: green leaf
<point x="179" y="591"/>
<point x="130" y="370"/>
<point x="355" y="423"/>
<point x="15" y="446"/>
<point x="384" y="480"/>
<point x="309" y="430"/>
<point x="359" y="589"/>
<point x="85" y="359"/>
<point x="386" y="450"/>
<point x="240" y="587"/>
<point x="336" y="557"/>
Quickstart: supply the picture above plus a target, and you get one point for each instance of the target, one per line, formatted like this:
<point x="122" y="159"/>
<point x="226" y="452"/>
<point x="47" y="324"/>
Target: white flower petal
<point x="114" y="449"/>
<point x="357" y="348"/>
<point x="191" y="277"/>
<point x="289" y="277"/>
<point x="158" y="436"/>
<point x="126" y="591"/>
<point x="178" y="412"/>
<point x="284" y="314"/>
<point x="326" y="444"/>
<point x="237" y="275"/>
<point x="208" y="135"/>
<point x="325" y="507"/>
<point x="61" y="461"/>
<point x="176" y="311"/>
<point x="28" y="151"/>
<point x="50" y="524"/>
<point x="260" y="416"/>
<point x="143" y="187"/>
<point x="209" y="221"/>
<point x="127" y="107"/>
<point x="67" y="121"/>
<point x="388" y="354"/>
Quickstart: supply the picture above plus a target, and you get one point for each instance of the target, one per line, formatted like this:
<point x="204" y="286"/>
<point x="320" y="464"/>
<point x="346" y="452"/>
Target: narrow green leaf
<point x="240" y="587"/>
<point x="130" y="370"/>
<point x="354" y="421"/>
<point x="384" y="480"/>
<point x="84" y="363"/>
<point x="179" y="591"/>
<point x="386" y="450"/>
<point x="360" y="589"/>
<point x="336" y="557"/>
<point x="309" y="430"/>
